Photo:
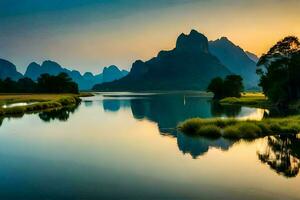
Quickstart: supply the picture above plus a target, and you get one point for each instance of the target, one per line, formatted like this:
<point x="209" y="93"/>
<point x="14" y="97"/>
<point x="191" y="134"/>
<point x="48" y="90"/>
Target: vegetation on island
<point x="236" y="129"/>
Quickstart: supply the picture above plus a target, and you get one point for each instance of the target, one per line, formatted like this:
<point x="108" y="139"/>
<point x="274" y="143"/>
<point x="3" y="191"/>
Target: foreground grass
<point x="248" y="99"/>
<point x="41" y="102"/>
<point x="237" y="129"/>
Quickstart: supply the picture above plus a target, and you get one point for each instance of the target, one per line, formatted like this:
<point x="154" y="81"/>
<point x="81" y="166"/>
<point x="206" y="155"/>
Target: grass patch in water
<point x="236" y="129"/>
<point x="242" y="130"/>
<point x="209" y="131"/>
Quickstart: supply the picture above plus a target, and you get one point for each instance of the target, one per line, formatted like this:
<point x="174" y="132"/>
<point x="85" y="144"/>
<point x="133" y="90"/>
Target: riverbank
<point x="14" y="104"/>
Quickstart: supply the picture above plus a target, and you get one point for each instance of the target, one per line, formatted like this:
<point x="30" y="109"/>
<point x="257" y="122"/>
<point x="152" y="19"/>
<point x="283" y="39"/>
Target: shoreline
<point x="37" y="102"/>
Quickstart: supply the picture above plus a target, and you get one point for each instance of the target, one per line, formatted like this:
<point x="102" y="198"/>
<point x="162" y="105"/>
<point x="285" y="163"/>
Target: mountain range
<point x="85" y="81"/>
<point x="235" y="59"/>
<point x="189" y="66"/>
<point x="8" y="69"/>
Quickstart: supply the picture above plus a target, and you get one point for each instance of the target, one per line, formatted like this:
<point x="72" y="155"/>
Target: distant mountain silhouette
<point x="8" y="70"/>
<point x="188" y="66"/>
<point x="252" y="56"/>
<point x="235" y="59"/>
<point x="85" y="81"/>
<point x="113" y="73"/>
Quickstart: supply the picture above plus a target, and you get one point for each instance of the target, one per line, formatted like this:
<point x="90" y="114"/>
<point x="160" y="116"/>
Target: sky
<point x="88" y="35"/>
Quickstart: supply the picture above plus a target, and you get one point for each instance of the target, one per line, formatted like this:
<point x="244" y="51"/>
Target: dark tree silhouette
<point x="216" y="86"/>
<point x="61" y="83"/>
<point x="232" y="86"/>
<point x="26" y="85"/>
<point x="279" y="71"/>
<point x="46" y="83"/>
<point x="62" y="114"/>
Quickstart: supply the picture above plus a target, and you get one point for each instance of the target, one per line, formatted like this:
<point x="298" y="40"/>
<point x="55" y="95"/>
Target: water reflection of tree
<point x="282" y="154"/>
<point x="62" y="114"/>
<point x="218" y="110"/>
<point x="15" y="116"/>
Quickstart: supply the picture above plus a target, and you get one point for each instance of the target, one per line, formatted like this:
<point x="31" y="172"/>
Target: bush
<point x="265" y="128"/>
<point x="231" y="132"/>
<point x="249" y="130"/>
<point x="191" y="126"/>
<point x="209" y="131"/>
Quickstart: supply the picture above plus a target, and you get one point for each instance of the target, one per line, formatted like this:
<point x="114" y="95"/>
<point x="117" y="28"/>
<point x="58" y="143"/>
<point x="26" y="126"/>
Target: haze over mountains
<point x="85" y="81"/>
<point x="189" y="66"/>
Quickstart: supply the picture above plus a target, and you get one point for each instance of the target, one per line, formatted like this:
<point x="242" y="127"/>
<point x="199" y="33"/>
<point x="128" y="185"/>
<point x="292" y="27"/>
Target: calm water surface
<point x="124" y="146"/>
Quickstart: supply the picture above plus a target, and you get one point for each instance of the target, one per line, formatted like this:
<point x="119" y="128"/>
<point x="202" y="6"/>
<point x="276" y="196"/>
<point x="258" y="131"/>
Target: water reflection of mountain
<point x="88" y="103"/>
<point x="282" y="154"/>
<point x="114" y="105"/>
<point x="198" y="146"/>
<point x="168" y="110"/>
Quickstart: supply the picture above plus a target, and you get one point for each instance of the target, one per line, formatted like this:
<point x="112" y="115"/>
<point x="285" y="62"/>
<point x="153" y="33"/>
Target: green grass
<point x="248" y="99"/>
<point x="236" y="129"/>
<point x="44" y="102"/>
<point x="209" y="131"/>
<point x="257" y="100"/>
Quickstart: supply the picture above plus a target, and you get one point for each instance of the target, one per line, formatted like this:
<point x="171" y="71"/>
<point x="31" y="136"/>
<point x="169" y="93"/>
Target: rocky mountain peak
<point x="192" y="43"/>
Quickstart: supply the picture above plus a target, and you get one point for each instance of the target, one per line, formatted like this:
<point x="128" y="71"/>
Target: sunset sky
<point x="89" y="34"/>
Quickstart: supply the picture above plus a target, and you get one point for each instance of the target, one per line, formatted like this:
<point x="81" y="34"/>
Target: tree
<point x="46" y="83"/>
<point x="216" y="87"/>
<point x="279" y="71"/>
<point x="61" y="83"/>
<point x="232" y="86"/>
<point x="26" y="85"/>
<point x="9" y="85"/>
<point x="65" y="84"/>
